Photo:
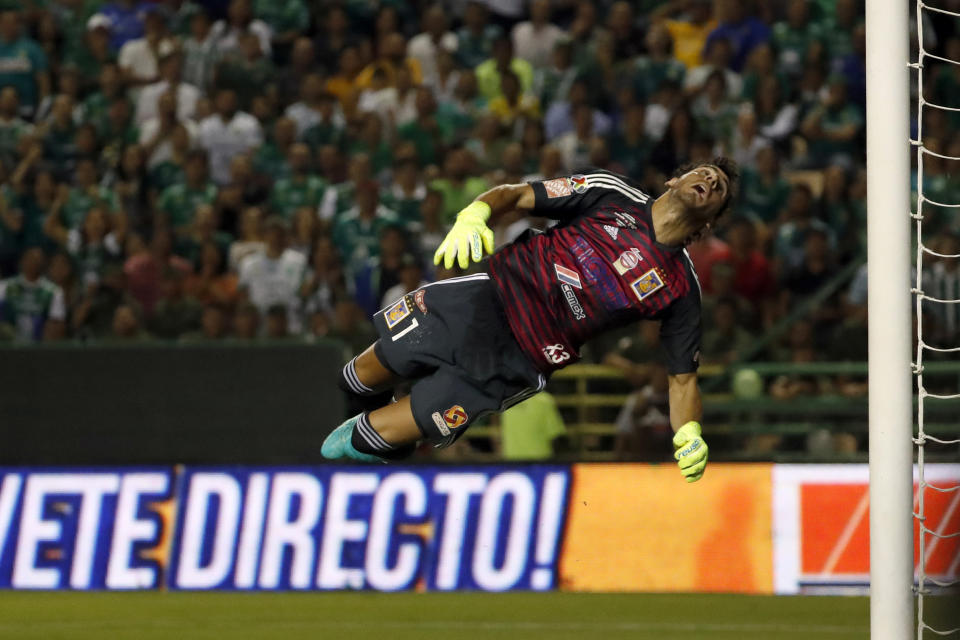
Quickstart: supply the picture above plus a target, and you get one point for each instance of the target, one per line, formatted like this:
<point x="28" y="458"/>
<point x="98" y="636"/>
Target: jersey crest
<point x="647" y="284"/>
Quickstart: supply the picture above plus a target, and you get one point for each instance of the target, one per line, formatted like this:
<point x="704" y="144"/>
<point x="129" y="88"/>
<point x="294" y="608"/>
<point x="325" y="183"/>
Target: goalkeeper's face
<point x="703" y="192"/>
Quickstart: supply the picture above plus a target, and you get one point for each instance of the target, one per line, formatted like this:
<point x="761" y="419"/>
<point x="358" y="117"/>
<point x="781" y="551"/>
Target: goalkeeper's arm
<point x="471" y="236"/>
<point x="686" y="411"/>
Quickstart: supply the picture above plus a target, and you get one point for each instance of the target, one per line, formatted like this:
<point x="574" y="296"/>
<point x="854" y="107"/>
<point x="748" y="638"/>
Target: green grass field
<point x="357" y="616"/>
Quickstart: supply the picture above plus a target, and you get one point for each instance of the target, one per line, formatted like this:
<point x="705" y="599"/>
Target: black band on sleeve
<point x="680" y="334"/>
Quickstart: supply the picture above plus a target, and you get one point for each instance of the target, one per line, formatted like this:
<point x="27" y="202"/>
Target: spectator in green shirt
<point x="476" y="37"/>
<point x="301" y="189"/>
<point x="246" y="71"/>
<point x="94" y="52"/>
<point x="86" y="192"/>
<point x="647" y="73"/>
<point x="118" y="132"/>
<point x="840" y="26"/>
<point x="286" y="18"/>
<point x="171" y="170"/>
<point x="12" y="127"/>
<point x="179" y="202"/>
<point x="529" y="430"/>
<point x="406" y="192"/>
<point x="97" y="103"/>
<point x="794" y="36"/>
<point x="630" y="147"/>
<point x="200" y="52"/>
<point x="271" y="158"/>
<point x="31" y="304"/>
<point x="764" y="192"/>
<point x="371" y="141"/>
<point x="58" y="133"/>
<point x="72" y="21"/>
<point x="834" y="127"/>
<point x="203" y="230"/>
<point x="424" y="132"/>
<point x="23" y="63"/>
<point x="458" y="187"/>
<point x="356" y="232"/>
<point x="340" y="196"/>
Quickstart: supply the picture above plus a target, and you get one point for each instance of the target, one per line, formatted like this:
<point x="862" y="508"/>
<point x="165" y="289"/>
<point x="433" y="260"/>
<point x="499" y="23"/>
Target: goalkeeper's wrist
<point x="688" y="431"/>
<point x="476" y="209"/>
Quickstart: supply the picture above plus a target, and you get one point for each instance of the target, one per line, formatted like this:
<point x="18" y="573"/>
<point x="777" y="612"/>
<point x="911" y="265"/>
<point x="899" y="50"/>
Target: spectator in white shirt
<point x="240" y="20"/>
<point x="138" y="59"/>
<point x="425" y="46"/>
<point x="315" y="106"/>
<point x="718" y="57"/>
<point x="227" y="133"/>
<point x="156" y="134"/>
<point x="171" y="64"/>
<point x="273" y="277"/>
<point x="535" y="39"/>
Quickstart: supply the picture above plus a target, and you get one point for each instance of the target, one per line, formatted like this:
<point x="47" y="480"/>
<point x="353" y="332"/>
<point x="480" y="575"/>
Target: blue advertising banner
<point x="389" y="528"/>
<point x="84" y="528"/>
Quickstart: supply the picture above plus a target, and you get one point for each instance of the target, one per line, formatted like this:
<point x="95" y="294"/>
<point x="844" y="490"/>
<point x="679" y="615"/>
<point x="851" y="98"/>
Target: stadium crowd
<point x="279" y="169"/>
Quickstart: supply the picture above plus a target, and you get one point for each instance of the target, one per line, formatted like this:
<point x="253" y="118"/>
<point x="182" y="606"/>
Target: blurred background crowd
<point x="280" y="169"/>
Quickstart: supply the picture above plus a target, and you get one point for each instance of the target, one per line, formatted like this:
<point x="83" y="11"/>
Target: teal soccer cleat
<point x="338" y="444"/>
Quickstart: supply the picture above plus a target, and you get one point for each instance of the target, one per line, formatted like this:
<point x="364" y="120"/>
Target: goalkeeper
<point x="480" y="343"/>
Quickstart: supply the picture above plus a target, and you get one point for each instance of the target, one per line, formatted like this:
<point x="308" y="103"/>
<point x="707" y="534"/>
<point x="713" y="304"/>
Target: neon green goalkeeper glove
<point x="690" y="451"/>
<point x="468" y="238"/>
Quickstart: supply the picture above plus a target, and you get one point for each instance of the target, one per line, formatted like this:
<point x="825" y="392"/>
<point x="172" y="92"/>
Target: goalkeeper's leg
<point x="367" y="383"/>
<point x="369" y="386"/>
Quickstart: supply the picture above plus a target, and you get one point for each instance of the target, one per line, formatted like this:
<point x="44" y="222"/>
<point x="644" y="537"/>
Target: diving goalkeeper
<point x="481" y="343"/>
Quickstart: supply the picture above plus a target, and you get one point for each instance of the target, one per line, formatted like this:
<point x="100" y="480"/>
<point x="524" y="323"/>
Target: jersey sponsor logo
<point x="625" y="220"/>
<point x="569" y="276"/>
<point x="441" y="425"/>
<point x="578" y="183"/>
<point x="556" y="353"/>
<point x="611" y="230"/>
<point x="572" y="301"/>
<point x="557" y="188"/>
<point x="418" y="299"/>
<point x="597" y="274"/>
<point x="646" y="284"/>
<point x="627" y="260"/>
<point x="396" y="313"/>
<point x="455" y="416"/>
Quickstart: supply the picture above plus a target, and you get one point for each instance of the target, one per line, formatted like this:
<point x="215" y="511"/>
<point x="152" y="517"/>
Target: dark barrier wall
<point x="165" y="404"/>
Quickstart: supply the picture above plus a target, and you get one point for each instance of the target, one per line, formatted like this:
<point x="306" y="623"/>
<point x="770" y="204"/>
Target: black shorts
<point x="452" y="339"/>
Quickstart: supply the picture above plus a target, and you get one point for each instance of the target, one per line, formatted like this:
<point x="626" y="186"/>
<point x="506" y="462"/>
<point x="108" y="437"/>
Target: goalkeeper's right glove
<point x="690" y="451"/>
<point x="468" y="238"/>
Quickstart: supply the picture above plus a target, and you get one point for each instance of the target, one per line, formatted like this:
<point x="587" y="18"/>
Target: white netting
<point x="928" y="538"/>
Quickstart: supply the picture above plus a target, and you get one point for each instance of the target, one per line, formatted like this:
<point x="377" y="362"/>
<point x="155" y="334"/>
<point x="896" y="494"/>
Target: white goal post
<point x="890" y="327"/>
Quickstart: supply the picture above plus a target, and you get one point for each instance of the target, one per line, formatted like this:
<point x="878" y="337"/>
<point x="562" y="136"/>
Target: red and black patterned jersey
<point x="599" y="268"/>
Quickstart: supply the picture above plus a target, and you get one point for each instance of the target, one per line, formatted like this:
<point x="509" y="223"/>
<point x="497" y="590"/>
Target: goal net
<point x="936" y="286"/>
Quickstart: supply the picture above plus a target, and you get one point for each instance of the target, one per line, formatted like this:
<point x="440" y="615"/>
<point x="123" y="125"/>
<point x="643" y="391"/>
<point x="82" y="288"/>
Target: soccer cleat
<point x="338" y="444"/>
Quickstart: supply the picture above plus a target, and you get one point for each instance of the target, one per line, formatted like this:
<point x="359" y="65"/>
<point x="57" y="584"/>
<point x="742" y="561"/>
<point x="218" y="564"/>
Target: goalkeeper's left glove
<point x="690" y="451"/>
<point x="468" y="238"/>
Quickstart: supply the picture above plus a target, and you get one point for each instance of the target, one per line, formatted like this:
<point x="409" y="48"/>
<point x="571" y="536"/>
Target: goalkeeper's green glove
<point x="468" y="238"/>
<point x="690" y="451"/>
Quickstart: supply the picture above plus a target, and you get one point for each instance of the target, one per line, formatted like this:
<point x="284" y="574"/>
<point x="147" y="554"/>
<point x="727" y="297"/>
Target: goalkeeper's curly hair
<point x="729" y="167"/>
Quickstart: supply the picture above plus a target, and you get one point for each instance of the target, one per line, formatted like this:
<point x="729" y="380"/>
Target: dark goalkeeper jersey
<point x="598" y="269"/>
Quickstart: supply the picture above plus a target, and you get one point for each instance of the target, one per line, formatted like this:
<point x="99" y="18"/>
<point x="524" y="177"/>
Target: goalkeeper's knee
<point x="350" y="382"/>
<point x="366" y="439"/>
<point x="361" y="397"/>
